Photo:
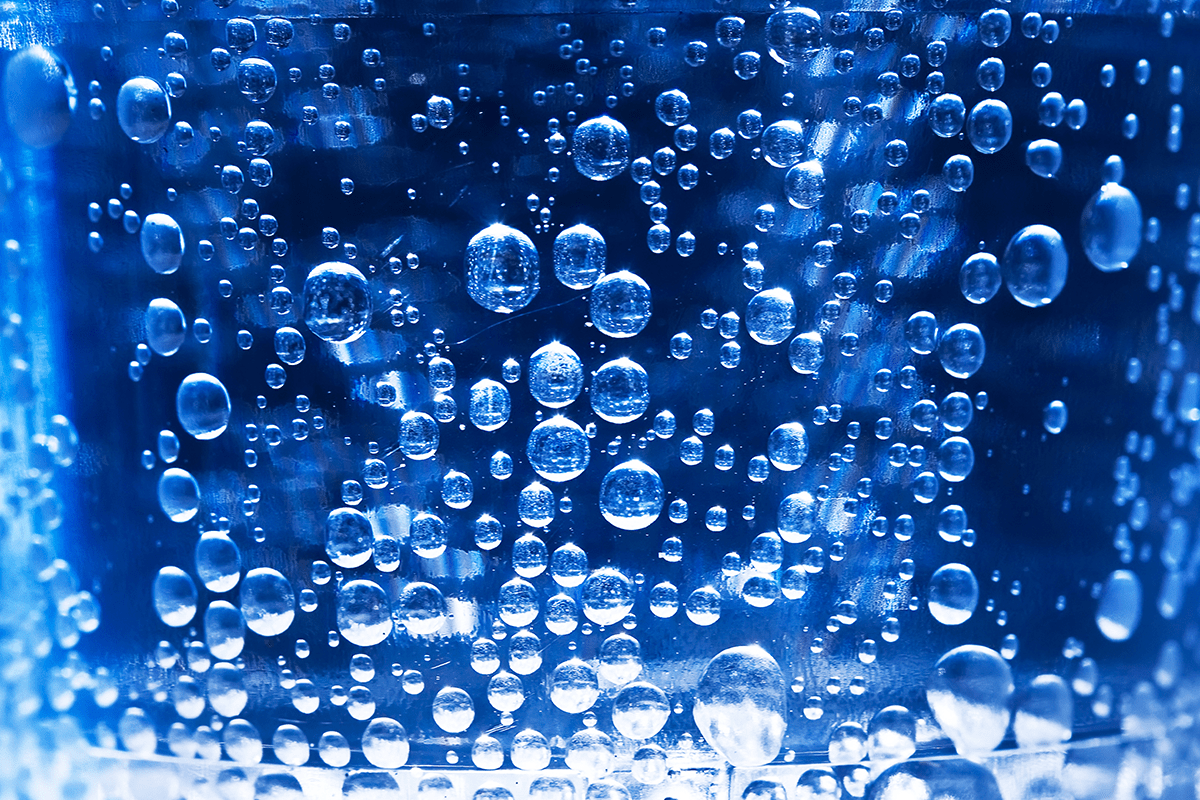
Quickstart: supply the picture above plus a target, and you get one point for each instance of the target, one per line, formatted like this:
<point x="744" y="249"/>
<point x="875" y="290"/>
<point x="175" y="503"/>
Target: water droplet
<point x="794" y="35"/>
<point x="804" y="184"/>
<point x="640" y="710"/>
<point x="579" y="256"/>
<point x="1111" y="227"/>
<point x="620" y="391"/>
<point x="631" y="496"/>
<point x="969" y="694"/>
<point x="256" y="79"/>
<point x="600" y="148"/>
<point x="607" y="596"/>
<point x="1043" y="157"/>
<point x="178" y="494"/>
<point x="502" y="269"/>
<point x="218" y="561"/>
<point x="385" y="743"/>
<point x="947" y="114"/>
<point x="174" y="596"/>
<point x="1045" y="712"/>
<point x="202" y="405"/>
<point x="268" y="602"/>
<point x="962" y="350"/>
<point x="337" y="302"/>
<point x="162" y="243"/>
<point x="953" y="594"/>
<point x="349" y="539"/>
<point x="574" y="687"/>
<point x="989" y="127"/>
<point x="555" y="375"/>
<point x="143" y="110"/>
<point x="419" y="435"/>
<point x="787" y="446"/>
<point x="979" y="278"/>
<point x="740" y="706"/>
<point x="364" y="617"/>
<point x="453" y="710"/>
<point x="771" y="316"/>
<point x="1035" y="265"/>
<point x="421" y="608"/>
<point x="620" y="304"/>
<point x="39" y="97"/>
<point x="1120" y="607"/>
<point x="558" y="449"/>
<point x="783" y="143"/>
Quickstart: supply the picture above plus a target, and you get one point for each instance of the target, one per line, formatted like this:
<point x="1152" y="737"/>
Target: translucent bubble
<point x="226" y="690"/>
<point x="953" y="594"/>
<point x="783" y="143"/>
<point x="600" y="148"/>
<point x="1035" y="265"/>
<point x="989" y="127"/>
<point x="1111" y="227"/>
<point x="178" y="494"/>
<point x="640" y="710"/>
<point x="979" y="278"/>
<point x="664" y="600"/>
<point x="218" y="561"/>
<point x="703" y="606"/>
<point x="962" y="350"/>
<point x="1043" y="157"/>
<point x="503" y="274"/>
<point x="562" y="616"/>
<point x="620" y="304"/>
<point x="453" y="710"/>
<point x="530" y="751"/>
<point x="427" y="535"/>
<point x="969" y="693"/>
<point x="1054" y="416"/>
<point x="620" y="391"/>
<point x="268" y="602"/>
<point x="995" y="26"/>
<point x="256" y="79"/>
<point x="568" y="565"/>
<point x="364" y="616"/>
<point x="672" y="107"/>
<point x="947" y="114"/>
<point x="649" y="764"/>
<point x="505" y="692"/>
<point x="804" y="184"/>
<point x="40" y="96"/>
<point x="289" y="346"/>
<point x="806" y="353"/>
<point x="739" y="706"/>
<point x="143" y="110"/>
<point x="607" y="596"/>
<point x="174" y="597"/>
<point x="574" y="687"/>
<point x="1045" y="712"/>
<point x="337" y="302"/>
<point x="385" y="743"/>
<point x="419" y="435"/>
<point x="162" y="243"/>
<point x="518" y="603"/>
<point x="349" y="539"/>
<point x="490" y="405"/>
<point x="421" y="608"/>
<point x="558" y="449"/>
<point x="166" y="328"/>
<point x="797" y="517"/>
<point x="794" y="35"/>
<point x="579" y="256"/>
<point x="535" y="505"/>
<point x="771" y="316"/>
<point x="555" y="375"/>
<point x="1120" y="606"/>
<point x="224" y="630"/>
<point x="921" y="332"/>
<point x="631" y="496"/>
<point x="202" y="405"/>
<point x="892" y="735"/>
<point x="787" y="446"/>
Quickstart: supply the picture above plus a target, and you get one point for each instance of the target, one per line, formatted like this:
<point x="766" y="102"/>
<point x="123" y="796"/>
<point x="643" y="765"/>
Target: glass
<point x="564" y="400"/>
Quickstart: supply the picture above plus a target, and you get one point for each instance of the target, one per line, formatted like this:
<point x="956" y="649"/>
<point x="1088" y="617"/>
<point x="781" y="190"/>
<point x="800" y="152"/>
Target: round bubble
<point x="178" y="494"/>
<point x="502" y="269"/>
<point x="620" y="391"/>
<point x="969" y="693"/>
<point x="921" y="333"/>
<point x="202" y="405"/>
<point x="579" y="256"/>
<point x="640" y="710"/>
<point x="1035" y="265"/>
<point x="1120" y="608"/>
<point x="990" y="125"/>
<point x="797" y="517"/>
<point x="631" y="496"/>
<point x="490" y="405"/>
<point x="956" y="459"/>
<point x="555" y="375"/>
<point x="364" y="617"/>
<point x="771" y="316"/>
<point x="349" y="539"/>
<point x="268" y="602"/>
<point x="953" y="594"/>
<point x="337" y="302"/>
<point x="806" y="353"/>
<point x="1043" y="157"/>
<point x="962" y="350"/>
<point x="574" y="687"/>
<point x="787" y="446"/>
<point x="620" y="304"/>
<point x="39" y="96"/>
<point x="385" y="743"/>
<point x="958" y="172"/>
<point x="979" y="278"/>
<point x="1111" y="227"/>
<point x="794" y="35"/>
<point x="558" y="449"/>
<point x="421" y="608"/>
<point x="143" y="110"/>
<point x="162" y="243"/>
<point x="218" y="561"/>
<point x="947" y="114"/>
<point x="672" y="107"/>
<point x="166" y="327"/>
<point x="607" y="596"/>
<point x="256" y="79"/>
<point x="783" y="143"/>
<point x="804" y="184"/>
<point x="419" y="435"/>
<point x="289" y="346"/>
<point x="600" y="148"/>
<point x="174" y="596"/>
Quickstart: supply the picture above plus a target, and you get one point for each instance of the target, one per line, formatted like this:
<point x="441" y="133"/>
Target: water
<point x="615" y="403"/>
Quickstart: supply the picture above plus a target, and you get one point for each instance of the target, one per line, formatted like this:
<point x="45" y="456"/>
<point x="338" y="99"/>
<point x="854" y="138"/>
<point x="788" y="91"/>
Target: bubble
<point x="921" y="333"/>
<point x="989" y="127"/>
<point x="364" y="617"/>
<point x="956" y="459"/>
<point x="558" y="449"/>
<point x="892" y="735"/>
<point x="783" y="143"/>
<point x="959" y="173"/>
<point x="490" y="405"/>
<point x="535" y="505"/>
<point x="1120" y="606"/>
<point x="600" y="148"/>
<point x="268" y="603"/>
<point x="1043" y="157"/>
<point x="969" y="693"/>
<point x="555" y="375"/>
<point x="953" y="594"/>
<point x="349" y="539"/>
<point x="502" y="269"/>
<point x="794" y="35"/>
<point x="579" y="256"/>
<point x="202" y="405"/>
<point x="427" y="535"/>
<point x="39" y="97"/>
<point x="631" y="496"/>
<point x="574" y="687"/>
<point x="703" y="606"/>
<point x="418" y="435"/>
<point x="962" y="350"/>
<point x="806" y="353"/>
<point x="620" y="304"/>
<point x="218" y="561"/>
<point x="797" y="517"/>
<point x="804" y="184"/>
<point x="568" y="565"/>
<point x="590" y="753"/>
<point x="174" y="596"/>
<point x="453" y="710"/>
<point x="979" y="278"/>
<point x="385" y="743"/>
<point x="337" y="302"/>
<point x="947" y="114"/>
<point x="649" y="765"/>
<point x="143" y="110"/>
<point x="740" y="706"/>
<point x="530" y="751"/>
<point x="607" y="596"/>
<point x="224" y="630"/>
<point x="226" y="690"/>
<point x="518" y="603"/>
<point x="1054" y="416"/>
<point x="162" y="243"/>
<point x="995" y="26"/>
<point x="787" y="446"/>
<point x="505" y="692"/>
<point x="1035" y="265"/>
<point x="640" y="710"/>
<point x="672" y="107"/>
<point x="178" y="494"/>
<point x="256" y="79"/>
<point x="620" y="391"/>
<point x="771" y="316"/>
<point x="166" y="328"/>
<point x="957" y="778"/>
<point x="1111" y="228"/>
<point x="1045" y="712"/>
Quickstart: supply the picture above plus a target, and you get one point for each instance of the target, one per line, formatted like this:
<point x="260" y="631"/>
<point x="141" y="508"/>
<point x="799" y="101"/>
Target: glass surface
<point x="609" y="400"/>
